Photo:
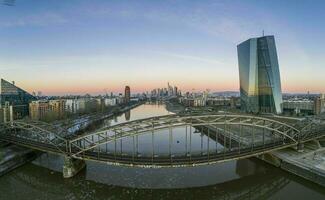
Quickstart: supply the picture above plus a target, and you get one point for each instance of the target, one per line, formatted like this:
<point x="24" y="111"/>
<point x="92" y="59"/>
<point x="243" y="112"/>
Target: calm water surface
<point x="243" y="179"/>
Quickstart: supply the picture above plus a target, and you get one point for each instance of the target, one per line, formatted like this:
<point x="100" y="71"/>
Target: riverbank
<point x="88" y="123"/>
<point x="309" y="164"/>
<point x="174" y="106"/>
<point x="12" y="156"/>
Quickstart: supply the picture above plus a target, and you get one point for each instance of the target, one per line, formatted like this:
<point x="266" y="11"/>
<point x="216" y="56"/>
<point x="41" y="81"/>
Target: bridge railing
<point x="312" y="129"/>
<point x="34" y="134"/>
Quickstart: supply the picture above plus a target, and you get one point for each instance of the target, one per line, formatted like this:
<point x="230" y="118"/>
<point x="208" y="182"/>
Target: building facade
<point x="48" y="110"/>
<point x="260" y="85"/>
<point x="38" y="109"/>
<point x="16" y="97"/>
<point x="298" y="106"/>
<point x="319" y="106"/>
<point x="127" y="94"/>
<point x="304" y="106"/>
<point x="110" y="101"/>
<point x="72" y="105"/>
<point x="57" y="107"/>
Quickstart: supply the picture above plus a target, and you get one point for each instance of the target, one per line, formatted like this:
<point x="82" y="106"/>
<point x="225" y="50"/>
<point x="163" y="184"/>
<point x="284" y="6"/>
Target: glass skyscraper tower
<point x="16" y="97"/>
<point x="260" y="84"/>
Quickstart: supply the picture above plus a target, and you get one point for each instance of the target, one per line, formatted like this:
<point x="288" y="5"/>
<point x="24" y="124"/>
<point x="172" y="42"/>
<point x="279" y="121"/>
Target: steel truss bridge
<point x="226" y="137"/>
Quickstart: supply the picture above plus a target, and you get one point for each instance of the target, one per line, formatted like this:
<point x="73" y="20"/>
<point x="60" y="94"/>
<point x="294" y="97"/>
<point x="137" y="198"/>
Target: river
<point x="243" y="179"/>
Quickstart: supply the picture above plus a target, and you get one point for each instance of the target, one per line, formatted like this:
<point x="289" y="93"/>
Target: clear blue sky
<point x="62" y="47"/>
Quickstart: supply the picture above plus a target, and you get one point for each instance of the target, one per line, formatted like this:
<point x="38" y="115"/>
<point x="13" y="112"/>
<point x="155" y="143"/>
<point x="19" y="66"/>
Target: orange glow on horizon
<point x="96" y="84"/>
<point x="82" y="88"/>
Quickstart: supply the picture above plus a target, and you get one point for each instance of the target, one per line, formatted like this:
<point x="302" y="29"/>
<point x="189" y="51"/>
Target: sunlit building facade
<point x="127" y="94"/>
<point x="260" y="85"/>
<point x="320" y="104"/>
<point x="57" y="107"/>
<point x="38" y="109"/>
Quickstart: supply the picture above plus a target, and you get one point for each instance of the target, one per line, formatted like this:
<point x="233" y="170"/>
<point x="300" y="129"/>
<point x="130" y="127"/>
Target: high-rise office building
<point x="127" y="94"/>
<point x="15" y="97"/>
<point x="260" y="85"/>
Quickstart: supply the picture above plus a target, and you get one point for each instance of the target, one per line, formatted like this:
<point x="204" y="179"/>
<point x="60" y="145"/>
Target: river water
<point x="243" y="179"/>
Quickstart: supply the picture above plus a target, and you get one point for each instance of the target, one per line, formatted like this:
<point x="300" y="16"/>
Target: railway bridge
<point x="165" y="141"/>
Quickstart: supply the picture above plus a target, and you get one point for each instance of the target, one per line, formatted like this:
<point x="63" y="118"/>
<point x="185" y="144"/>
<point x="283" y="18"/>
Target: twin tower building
<point x="260" y="84"/>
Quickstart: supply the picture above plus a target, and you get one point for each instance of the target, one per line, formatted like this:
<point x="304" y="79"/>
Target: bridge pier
<point x="300" y="147"/>
<point x="72" y="166"/>
<point x="271" y="159"/>
<point x="322" y="142"/>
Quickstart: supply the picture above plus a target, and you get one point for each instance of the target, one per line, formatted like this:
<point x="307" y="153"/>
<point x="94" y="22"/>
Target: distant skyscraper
<point x="127" y="94"/>
<point x="260" y="85"/>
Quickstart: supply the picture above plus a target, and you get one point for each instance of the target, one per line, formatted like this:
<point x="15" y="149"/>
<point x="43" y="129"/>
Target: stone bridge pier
<point x="72" y="166"/>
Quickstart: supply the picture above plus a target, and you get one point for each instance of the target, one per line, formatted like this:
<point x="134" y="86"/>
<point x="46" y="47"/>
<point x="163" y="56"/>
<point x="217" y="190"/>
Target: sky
<point x="93" y="46"/>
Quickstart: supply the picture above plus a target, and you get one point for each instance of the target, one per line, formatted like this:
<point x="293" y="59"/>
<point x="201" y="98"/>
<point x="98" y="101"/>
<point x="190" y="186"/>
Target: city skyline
<point x="167" y="99"/>
<point x="49" y="47"/>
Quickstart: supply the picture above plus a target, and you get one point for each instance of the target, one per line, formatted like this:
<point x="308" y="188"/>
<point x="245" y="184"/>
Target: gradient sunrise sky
<point x="90" y="46"/>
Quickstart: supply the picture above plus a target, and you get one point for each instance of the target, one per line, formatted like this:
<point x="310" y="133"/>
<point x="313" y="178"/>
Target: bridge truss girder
<point x="27" y="133"/>
<point x="46" y="137"/>
<point x="138" y="127"/>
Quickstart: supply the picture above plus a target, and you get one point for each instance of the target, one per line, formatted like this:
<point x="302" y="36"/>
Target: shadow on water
<point x="36" y="182"/>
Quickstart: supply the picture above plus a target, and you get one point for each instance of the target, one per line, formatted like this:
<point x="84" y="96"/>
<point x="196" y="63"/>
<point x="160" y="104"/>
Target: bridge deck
<point x="254" y="136"/>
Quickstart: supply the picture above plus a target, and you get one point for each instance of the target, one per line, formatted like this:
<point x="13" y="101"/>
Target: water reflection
<point x="179" y="142"/>
<point x="127" y="115"/>
<point x="35" y="182"/>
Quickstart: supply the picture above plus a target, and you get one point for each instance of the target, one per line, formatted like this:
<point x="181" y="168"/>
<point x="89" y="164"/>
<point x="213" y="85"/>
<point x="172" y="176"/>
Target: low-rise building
<point x="120" y="99"/>
<point x="81" y="105"/>
<point x="38" y="109"/>
<point x="71" y="105"/>
<point x="319" y="104"/>
<point x="198" y="102"/>
<point x="57" y="107"/>
<point x="100" y="104"/>
<point x="218" y="102"/>
<point x="47" y="109"/>
<point x="110" y="101"/>
<point x="134" y="99"/>
<point x="204" y="101"/>
<point x="84" y="105"/>
<point x="189" y="102"/>
<point x="299" y="106"/>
